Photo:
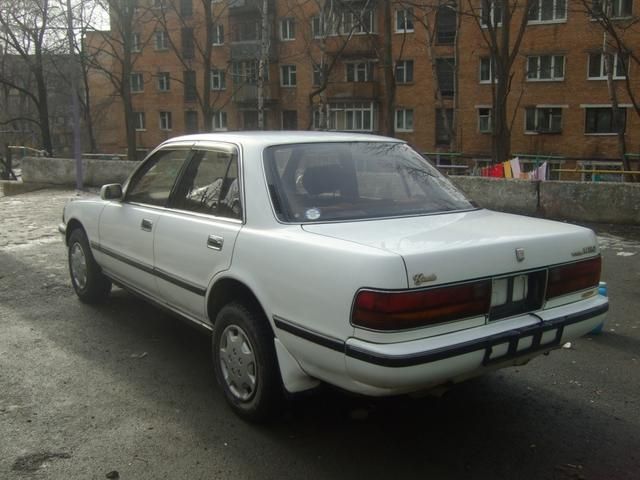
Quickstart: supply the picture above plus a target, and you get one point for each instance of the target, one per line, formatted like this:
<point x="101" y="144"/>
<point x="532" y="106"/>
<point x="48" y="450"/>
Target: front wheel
<point x="245" y="362"/>
<point x="88" y="281"/>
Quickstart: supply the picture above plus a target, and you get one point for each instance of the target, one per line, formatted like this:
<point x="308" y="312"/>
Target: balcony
<point x="248" y="93"/>
<point x="353" y="90"/>
<point x="251" y="50"/>
<point x="239" y="7"/>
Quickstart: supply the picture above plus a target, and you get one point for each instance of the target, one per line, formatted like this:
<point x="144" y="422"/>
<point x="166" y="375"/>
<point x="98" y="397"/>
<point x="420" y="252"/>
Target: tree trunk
<point x="389" y="77"/>
<point x="43" y="106"/>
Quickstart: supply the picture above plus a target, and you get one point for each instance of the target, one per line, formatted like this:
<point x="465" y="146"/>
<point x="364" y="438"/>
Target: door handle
<point x="146" y="225"/>
<point x="215" y="242"/>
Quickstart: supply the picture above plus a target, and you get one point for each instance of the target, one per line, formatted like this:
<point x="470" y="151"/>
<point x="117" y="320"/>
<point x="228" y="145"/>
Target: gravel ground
<point x="86" y="392"/>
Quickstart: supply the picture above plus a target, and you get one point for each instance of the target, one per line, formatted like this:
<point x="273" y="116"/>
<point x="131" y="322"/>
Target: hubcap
<point x="238" y="362"/>
<point x="78" y="266"/>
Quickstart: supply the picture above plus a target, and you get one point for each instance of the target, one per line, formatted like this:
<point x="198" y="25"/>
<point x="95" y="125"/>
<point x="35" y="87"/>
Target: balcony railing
<point x="362" y="90"/>
<point x="247" y="93"/>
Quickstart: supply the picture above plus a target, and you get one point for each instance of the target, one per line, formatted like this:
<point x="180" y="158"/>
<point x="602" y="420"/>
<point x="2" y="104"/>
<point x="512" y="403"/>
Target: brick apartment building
<point x="419" y="70"/>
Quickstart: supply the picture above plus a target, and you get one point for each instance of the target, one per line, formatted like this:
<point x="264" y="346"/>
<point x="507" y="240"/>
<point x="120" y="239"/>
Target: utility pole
<point x="263" y="63"/>
<point x="75" y="106"/>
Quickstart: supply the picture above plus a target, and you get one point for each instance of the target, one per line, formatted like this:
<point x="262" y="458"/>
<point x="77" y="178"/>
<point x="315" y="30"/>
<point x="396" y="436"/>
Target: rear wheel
<point x="245" y="362"/>
<point x="88" y="281"/>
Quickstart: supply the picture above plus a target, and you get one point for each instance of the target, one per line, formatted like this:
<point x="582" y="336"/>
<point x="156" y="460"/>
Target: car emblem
<point x="421" y="278"/>
<point x="520" y="254"/>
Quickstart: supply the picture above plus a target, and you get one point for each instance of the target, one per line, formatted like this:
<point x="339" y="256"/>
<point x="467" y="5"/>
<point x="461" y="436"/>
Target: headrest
<point x="323" y="179"/>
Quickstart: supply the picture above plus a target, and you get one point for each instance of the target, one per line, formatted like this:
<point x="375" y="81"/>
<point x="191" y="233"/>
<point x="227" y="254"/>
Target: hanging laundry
<point x="541" y="172"/>
<point x="515" y="167"/>
<point x="507" y="169"/>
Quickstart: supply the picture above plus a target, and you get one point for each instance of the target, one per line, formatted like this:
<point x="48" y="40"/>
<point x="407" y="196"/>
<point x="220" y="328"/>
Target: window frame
<point x="492" y="14"/>
<point x="404" y="20"/>
<point x="492" y="73"/>
<point x="217" y="34"/>
<point x="288" y="76"/>
<point x="402" y="66"/>
<point x="357" y="72"/>
<point x="402" y="114"/>
<point x="216" y="118"/>
<point x="489" y="117"/>
<point x="164" y="79"/>
<point x="539" y="21"/>
<point x="160" y="40"/>
<point x="603" y="66"/>
<point x="139" y="85"/>
<point x="140" y="126"/>
<point x="136" y="45"/>
<point x="538" y="116"/>
<point x="604" y="107"/>
<point x="168" y="119"/>
<point x="552" y="68"/>
<point x="288" y="26"/>
<point x="221" y="75"/>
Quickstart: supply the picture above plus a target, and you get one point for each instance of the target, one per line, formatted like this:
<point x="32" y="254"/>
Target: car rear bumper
<point x="383" y="369"/>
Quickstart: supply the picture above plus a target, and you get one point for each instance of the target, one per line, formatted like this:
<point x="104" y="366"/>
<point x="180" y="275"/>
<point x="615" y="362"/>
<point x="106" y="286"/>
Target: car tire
<point x="88" y="281"/>
<point x="245" y="362"/>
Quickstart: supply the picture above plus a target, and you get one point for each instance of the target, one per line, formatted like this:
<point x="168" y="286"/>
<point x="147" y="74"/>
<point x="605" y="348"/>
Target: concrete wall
<point x="62" y="171"/>
<point x="578" y="201"/>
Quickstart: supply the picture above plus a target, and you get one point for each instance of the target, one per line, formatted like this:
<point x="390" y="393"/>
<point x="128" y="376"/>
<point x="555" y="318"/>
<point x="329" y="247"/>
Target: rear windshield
<point x="320" y="182"/>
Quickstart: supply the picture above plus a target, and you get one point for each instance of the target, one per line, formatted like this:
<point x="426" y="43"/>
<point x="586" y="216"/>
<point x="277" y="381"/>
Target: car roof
<point x="263" y="138"/>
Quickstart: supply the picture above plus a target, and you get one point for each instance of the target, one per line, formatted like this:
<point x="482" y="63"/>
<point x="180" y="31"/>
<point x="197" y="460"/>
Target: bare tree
<point x="502" y="33"/>
<point x="113" y="53"/>
<point x="27" y="31"/>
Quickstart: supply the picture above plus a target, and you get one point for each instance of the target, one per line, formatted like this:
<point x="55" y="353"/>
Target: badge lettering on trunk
<point x="520" y="254"/>
<point x="421" y="278"/>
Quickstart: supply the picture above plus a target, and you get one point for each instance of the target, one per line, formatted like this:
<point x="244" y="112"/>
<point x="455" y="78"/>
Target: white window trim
<point x="217" y="40"/>
<point x="602" y="68"/>
<point x="485" y="107"/>
<point x="170" y="117"/>
<point x="403" y="30"/>
<point x="404" y="69"/>
<point x="136" y="47"/>
<point x="606" y="134"/>
<point x="368" y="71"/>
<point x="144" y="129"/>
<point x="555" y="20"/>
<point x="540" y="107"/>
<point x="404" y="114"/>
<point x="282" y="22"/>
<point x="491" y="72"/>
<point x="491" y="15"/>
<point x="282" y="76"/>
<point x="219" y="129"/>
<point x="553" y="62"/>
<point x="163" y="90"/>
<point x="165" y="42"/>
<point x="141" y="82"/>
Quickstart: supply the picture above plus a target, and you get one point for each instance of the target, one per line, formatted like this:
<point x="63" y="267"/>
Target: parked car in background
<point x="332" y="257"/>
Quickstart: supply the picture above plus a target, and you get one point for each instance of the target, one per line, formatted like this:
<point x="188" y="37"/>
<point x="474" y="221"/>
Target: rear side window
<point x="152" y="184"/>
<point x="355" y="180"/>
<point x="210" y="184"/>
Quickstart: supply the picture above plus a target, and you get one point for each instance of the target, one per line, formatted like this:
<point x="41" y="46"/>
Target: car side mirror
<point x="113" y="191"/>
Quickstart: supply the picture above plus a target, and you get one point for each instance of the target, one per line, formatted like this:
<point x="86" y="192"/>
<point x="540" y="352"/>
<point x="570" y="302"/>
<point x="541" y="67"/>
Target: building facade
<point x="420" y="71"/>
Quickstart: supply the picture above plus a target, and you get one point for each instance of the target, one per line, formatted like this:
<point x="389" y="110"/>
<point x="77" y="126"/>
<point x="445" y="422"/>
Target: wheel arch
<point x="228" y="289"/>
<point x="72" y="225"/>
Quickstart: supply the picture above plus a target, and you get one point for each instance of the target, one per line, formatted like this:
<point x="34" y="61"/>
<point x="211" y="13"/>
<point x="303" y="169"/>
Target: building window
<point x="317" y="26"/>
<point x="191" y="121"/>
<point x="619" y="8"/>
<point x="446" y="24"/>
<point x="289" y="120"/>
<point x="485" y="123"/>
<point x="139" y="121"/>
<point x="442" y="133"/>
<point x="218" y="80"/>
<point x="159" y="3"/>
<point x="164" y="81"/>
<point x="249" y="31"/>
<point x="165" y="121"/>
<point x="349" y="116"/>
<point x="288" y="75"/>
<point x="135" y="42"/>
<point x="356" y="22"/>
<point x="359" y="72"/>
<point x="287" y="29"/>
<point x="598" y="66"/>
<point x="445" y="68"/>
<point x="404" y="71"/>
<point x="487" y="70"/>
<point x="542" y="11"/>
<point x="246" y="71"/>
<point x="219" y="120"/>
<point x="190" y="90"/>
<point x="137" y="82"/>
<point x="404" y="120"/>
<point x="601" y="120"/>
<point x="317" y="74"/>
<point x="545" y="68"/>
<point x="217" y="34"/>
<point x="404" y="20"/>
<point x="186" y="8"/>
<point x="161" y="40"/>
<point x="543" y="120"/>
<point x="491" y="13"/>
<point x="188" y="47"/>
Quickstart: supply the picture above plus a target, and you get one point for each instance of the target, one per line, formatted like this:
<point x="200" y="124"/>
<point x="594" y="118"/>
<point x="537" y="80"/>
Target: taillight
<point x="574" y="277"/>
<point x="402" y="310"/>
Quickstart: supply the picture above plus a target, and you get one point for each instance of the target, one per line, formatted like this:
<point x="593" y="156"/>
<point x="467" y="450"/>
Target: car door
<point x="127" y="227"/>
<point x="194" y="238"/>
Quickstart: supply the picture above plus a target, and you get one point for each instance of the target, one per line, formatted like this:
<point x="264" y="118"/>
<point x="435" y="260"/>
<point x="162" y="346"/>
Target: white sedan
<point x="338" y="258"/>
